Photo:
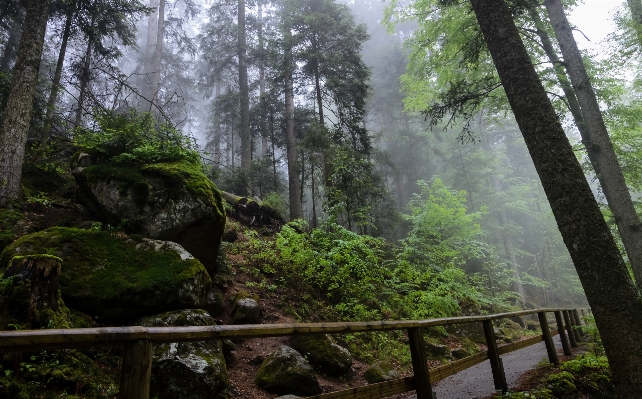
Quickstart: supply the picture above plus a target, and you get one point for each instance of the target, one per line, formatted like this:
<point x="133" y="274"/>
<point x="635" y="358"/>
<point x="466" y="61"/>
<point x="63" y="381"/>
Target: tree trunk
<point x="217" y="127"/>
<point x="17" y="114"/>
<point x="158" y="54"/>
<point x="603" y="157"/>
<point x="84" y="81"/>
<point x="296" y="207"/>
<point x="612" y="296"/>
<point x="244" y="133"/>
<point x="150" y="47"/>
<point x="263" y="125"/>
<point x="9" y="53"/>
<point x="55" y="85"/>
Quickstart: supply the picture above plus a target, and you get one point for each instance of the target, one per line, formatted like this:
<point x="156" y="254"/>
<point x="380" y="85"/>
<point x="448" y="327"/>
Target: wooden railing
<point x="138" y="341"/>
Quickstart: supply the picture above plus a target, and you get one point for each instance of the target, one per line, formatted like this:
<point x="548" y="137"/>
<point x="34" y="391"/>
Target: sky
<point x="595" y="19"/>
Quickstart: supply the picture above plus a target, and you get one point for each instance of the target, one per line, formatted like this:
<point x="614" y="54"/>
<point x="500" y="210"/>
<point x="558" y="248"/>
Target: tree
<point x="17" y="114"/>
<point x="246" y="137"/>
<point x="613" y="298"/>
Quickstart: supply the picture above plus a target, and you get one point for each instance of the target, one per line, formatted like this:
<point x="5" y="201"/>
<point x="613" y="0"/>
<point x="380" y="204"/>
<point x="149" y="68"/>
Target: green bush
<point x="135" y="139"/>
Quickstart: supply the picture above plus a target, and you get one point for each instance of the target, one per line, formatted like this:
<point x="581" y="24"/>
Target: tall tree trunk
<point x="262" y="125"/>
<point x="296" y="207"/>
<point x="150" y="48"/>
<point x="9" y="53"/>
<point x="158" y="53"/>
<point x="613" y="298"/>
<point x="598" y="142"/>
<point x="244" y="93"/>
<point x="217" y="127"/>
<point x="17" y="114"/>
<point x="55" y="84"/>
<point x="84" y="81"/>
<point x="317" y="87"/>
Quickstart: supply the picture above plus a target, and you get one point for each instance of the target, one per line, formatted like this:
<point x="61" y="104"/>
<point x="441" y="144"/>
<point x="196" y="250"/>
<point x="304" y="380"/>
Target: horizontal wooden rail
<point x="24" y="340"/>
<point x="138" y="353"/>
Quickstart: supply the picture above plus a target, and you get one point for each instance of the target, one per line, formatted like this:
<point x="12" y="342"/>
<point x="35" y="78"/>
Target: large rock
<point x="287" y="372"/>
<point x="167" y="201"/>
<point x="192" y="370"/>
<point x="323" y="353"/>
<point x="380" y="372"/>
<point x="246" y="309"/>
<point x="114" y="278"/>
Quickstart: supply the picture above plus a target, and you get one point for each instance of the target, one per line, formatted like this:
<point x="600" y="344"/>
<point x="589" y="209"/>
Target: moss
<point x="8" y="220"/>
<point x="561" y="384"/>
<point x="105" y="275"/>
<point x="380" y="372"/>
<point x="129" y="178"/>
<point x="322" y="353"/>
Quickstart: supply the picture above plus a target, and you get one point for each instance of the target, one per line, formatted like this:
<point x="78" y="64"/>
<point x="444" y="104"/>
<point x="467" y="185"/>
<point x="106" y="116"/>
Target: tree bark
<point x="55" y="84"/>
<point x="158" y="54"/>
<point x="17" y="114"/>
<point x="263" y="125"/>
<point x="610" y="292"/>
<point x="84" y="81"/>
<point x="150" y="47"/>
<point x="296" y="207"/>
<point x="217" y="127"/>
<point x="244" y="133"/>
<point x="603" y="157"/>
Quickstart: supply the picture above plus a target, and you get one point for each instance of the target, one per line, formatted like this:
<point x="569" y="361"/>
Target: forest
<point x="168" y="162"/>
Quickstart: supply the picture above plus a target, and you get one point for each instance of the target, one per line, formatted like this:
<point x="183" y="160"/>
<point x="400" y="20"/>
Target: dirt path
<point x="477" y="381"/>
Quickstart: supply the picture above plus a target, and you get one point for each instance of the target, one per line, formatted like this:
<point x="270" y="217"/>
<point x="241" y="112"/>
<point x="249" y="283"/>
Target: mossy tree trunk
<point x="614" y="299"/>
<point x="244" y="98"/>
<point x="17" y="114"/>
<point x="598" y="143"/>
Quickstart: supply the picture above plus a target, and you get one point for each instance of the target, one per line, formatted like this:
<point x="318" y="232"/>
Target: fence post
<point x="548" y="341"/>
<point x="420" y="363"/>
<point x="560" y="329"/>
<point x="136" y="370"/>
<point x="569" y="329"/>
<point x="493" y="355"/>
<point x="578" y="322"/>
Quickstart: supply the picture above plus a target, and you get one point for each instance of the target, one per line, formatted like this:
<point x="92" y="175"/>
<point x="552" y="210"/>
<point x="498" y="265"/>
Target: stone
<point x="437" y="351"/>
<point x="246" y="309"/>
<point x="460" y="353"/>
<point x="214" y="303"/>
<point x="323" y="353"/>
<point x="193" y="370"/>
<point x="380" y="372"/>
<point x="166" y="201"/>
<point x="285" y="371"/>
<point x="114" y="278"/>
<point x="230" y="235"/>
<point x="519" y="320"/>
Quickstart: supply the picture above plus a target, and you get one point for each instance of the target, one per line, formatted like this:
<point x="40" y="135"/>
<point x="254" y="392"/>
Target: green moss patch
<point x="8" y="220"/>
<point x="105" y="275"/>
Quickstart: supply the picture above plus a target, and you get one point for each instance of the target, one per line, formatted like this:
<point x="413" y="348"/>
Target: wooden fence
<point x="138" y="341"/>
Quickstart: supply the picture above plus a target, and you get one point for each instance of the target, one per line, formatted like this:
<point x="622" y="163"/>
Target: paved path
<point x="477" y="382"/>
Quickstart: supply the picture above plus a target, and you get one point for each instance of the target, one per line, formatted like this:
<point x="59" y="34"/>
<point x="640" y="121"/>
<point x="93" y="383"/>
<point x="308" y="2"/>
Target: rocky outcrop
<point x="437" y="351"/>
<point x="323" y="354"/>
<point x="166" y="201"/>
<point x="287" y="372"/>
<point x="115" y="278"/>
<point x="192" y="370"/>
<point x="380" y="372"/>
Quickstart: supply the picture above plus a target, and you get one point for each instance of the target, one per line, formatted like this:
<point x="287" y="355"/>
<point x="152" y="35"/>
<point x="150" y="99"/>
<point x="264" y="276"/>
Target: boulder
<point x="460" y="353"/>
<point x="287" y="372"/>
<point x="437" y="351"/>
<point x="323" y="353"/>
<point x="380" y="372"/>
<point x="246" y="309"/>
<point x="166" y="201"/>
<point x="115" y="278"/>
<point x="193" y="370"/>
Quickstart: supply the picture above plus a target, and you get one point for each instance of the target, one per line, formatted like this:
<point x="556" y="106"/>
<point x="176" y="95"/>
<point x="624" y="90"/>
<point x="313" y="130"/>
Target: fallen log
<point x="252" y="211"/>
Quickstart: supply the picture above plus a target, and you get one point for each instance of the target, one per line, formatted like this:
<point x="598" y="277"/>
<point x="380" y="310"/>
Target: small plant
<point x="40" y="199"/>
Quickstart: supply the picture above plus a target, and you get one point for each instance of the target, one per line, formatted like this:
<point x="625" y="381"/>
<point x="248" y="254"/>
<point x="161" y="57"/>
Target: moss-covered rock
<point x="323" y="353"/>
<point x="380" y="372"/>
<point x="562" y="384"/>
<point x="437" y="351"/>
<point x="287" y="372"/>
<point x="9" y="218"/>
<point x="192" y="370"/>
<point x="168" y="201"/>
<point x="246" y="308"/>
<point x="115" y="278"/>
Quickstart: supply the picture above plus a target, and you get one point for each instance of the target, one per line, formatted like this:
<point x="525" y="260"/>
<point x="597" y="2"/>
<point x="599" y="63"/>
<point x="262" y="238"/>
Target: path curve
<point x="477" y="382"/>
